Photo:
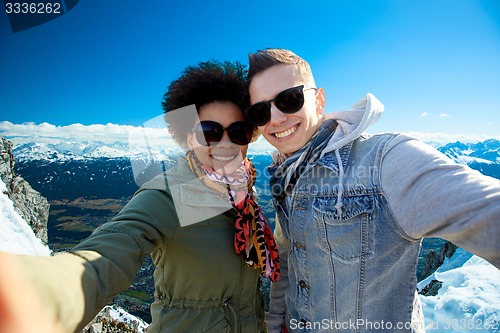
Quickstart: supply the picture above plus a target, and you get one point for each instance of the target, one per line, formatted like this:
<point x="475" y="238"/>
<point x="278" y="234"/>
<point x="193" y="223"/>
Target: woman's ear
<point x="191" y="141"/>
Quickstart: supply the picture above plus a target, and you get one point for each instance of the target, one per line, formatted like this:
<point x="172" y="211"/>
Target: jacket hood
<point x="194" y="202"/>
<point x="353" y="122"/>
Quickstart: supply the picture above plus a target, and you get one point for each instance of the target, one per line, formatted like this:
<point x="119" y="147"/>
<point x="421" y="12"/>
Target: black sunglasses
<point x="288" y="101"/>
<point x="210" y="132"/>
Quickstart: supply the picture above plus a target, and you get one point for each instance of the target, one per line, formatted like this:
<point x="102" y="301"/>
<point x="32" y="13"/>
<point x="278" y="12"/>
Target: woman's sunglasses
<point x="210" y="132"/>
<point x="288" y="101"/>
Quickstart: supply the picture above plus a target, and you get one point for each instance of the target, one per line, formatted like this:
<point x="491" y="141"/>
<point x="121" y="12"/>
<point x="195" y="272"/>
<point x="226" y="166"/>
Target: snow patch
<point x="16" y="235"/>
<point x="469" y="299"/>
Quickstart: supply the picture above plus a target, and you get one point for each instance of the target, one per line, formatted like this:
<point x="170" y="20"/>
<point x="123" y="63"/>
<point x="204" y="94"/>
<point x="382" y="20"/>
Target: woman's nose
<point x="225" y="140"/>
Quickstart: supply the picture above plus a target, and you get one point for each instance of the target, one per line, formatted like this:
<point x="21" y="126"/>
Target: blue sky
<point x="434" y="64"/>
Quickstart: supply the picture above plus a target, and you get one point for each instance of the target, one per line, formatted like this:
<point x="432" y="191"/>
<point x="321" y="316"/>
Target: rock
<point x="432" y="288"/>
<point x="434" y="259"/>
<point x="113" y="319"/>
<point x="30" y="204"/>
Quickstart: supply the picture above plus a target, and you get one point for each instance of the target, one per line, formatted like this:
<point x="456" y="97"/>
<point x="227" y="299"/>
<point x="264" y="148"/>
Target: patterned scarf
<point x="286" y="170"/>
<point x="253" y="238"/>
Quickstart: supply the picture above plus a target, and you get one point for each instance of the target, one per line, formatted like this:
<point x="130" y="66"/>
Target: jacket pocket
<point x="347" y="234"/>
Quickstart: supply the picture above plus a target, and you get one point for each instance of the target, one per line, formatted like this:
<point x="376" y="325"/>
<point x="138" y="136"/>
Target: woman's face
<point x="224" y="156"/>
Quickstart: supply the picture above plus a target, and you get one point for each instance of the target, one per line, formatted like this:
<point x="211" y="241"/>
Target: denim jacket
<point x="335" y="262"/>
<point x="354" y="269"/>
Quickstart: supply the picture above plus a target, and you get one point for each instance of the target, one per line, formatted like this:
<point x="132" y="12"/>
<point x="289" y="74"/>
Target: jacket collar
<point x="331" y="162"/>
<point x="194" y="202"/>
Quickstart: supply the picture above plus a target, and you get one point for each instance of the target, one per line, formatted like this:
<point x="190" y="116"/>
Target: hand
<point x="21" y="309"/>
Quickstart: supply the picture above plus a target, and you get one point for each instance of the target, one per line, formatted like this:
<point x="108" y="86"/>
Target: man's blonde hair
<point x="265" y="59"/>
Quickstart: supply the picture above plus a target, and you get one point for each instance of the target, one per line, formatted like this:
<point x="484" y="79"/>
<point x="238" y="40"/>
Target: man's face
<point x="287" y="132"/>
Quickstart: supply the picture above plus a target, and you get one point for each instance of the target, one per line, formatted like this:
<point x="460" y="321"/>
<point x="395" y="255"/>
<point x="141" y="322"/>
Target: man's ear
<point x="320" y="101"/>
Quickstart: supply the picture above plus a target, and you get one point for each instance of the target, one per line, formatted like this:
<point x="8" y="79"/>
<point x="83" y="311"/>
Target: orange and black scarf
<point x="253" y="238"/>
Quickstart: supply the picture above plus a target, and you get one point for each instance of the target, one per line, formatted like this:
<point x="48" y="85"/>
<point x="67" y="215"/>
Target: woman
<point x="208" y="238"/>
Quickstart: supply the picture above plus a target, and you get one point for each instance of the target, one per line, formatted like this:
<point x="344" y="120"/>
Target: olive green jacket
<point x="201" y="284"/>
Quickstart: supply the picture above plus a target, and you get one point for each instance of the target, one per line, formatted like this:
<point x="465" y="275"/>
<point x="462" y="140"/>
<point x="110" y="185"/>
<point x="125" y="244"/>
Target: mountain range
<point x="482" y="156"/>
<point x="74" y="169"/>
<point x="61" y="151"/>
<point x="66" y="171"/>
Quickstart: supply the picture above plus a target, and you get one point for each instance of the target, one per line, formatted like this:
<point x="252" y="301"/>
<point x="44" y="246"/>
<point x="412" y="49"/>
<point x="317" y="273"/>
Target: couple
<point x="351" y="209"/>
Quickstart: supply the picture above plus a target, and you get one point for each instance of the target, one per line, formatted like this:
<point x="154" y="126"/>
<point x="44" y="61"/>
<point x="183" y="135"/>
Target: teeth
<point x="286" y="133"/>
<point x="223" y="158"/>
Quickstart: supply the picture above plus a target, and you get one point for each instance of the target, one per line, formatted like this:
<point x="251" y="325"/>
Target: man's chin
<point x="286" y="148"/>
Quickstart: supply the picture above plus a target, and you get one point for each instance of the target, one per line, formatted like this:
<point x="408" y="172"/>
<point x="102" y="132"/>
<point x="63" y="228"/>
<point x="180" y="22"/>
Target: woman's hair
<point x="208" y="82"/>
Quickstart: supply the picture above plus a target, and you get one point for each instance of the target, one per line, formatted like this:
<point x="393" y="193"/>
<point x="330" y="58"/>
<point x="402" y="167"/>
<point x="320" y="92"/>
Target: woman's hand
<point x="21" y="309"/>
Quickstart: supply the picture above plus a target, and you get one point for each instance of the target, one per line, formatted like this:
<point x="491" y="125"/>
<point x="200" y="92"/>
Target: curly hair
<point x="205" y="83"/>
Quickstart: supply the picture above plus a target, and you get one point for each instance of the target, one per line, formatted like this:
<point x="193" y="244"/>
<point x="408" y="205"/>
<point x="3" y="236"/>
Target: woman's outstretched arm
<point x="21" y="307"/>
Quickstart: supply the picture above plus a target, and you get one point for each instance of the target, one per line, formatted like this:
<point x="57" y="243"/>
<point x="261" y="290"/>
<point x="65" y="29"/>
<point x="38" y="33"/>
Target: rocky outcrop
<point x="435" y="258"/>
<point x="113" y="319"/>
<point x="431" y="289"/>
<point x="33" y="207"/>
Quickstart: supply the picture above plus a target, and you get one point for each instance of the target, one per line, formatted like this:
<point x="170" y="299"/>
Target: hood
<point x="353" y="122"/>
<point x="194" y="202"/>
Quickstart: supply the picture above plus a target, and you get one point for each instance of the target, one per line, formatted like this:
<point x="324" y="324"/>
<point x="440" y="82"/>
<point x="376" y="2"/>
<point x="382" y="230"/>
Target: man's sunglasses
<point x="210" y="132"/>
<point x="288" y="101"/>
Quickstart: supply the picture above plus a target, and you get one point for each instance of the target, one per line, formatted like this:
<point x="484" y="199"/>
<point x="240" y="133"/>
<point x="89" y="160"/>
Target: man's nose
<point x="277" y="117"/>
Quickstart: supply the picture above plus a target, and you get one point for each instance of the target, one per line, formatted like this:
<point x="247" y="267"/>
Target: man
<point x="352" y="209"/>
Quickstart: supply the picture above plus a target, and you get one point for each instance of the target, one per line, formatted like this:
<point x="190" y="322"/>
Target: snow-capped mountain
<point x="69" y="169"/>
<point x="79" y="168"/>
<point x="482" y="156"/>
<point x="64" y="151"/>
<point x="484" y="152"/>
<point x="82" y="168"/>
